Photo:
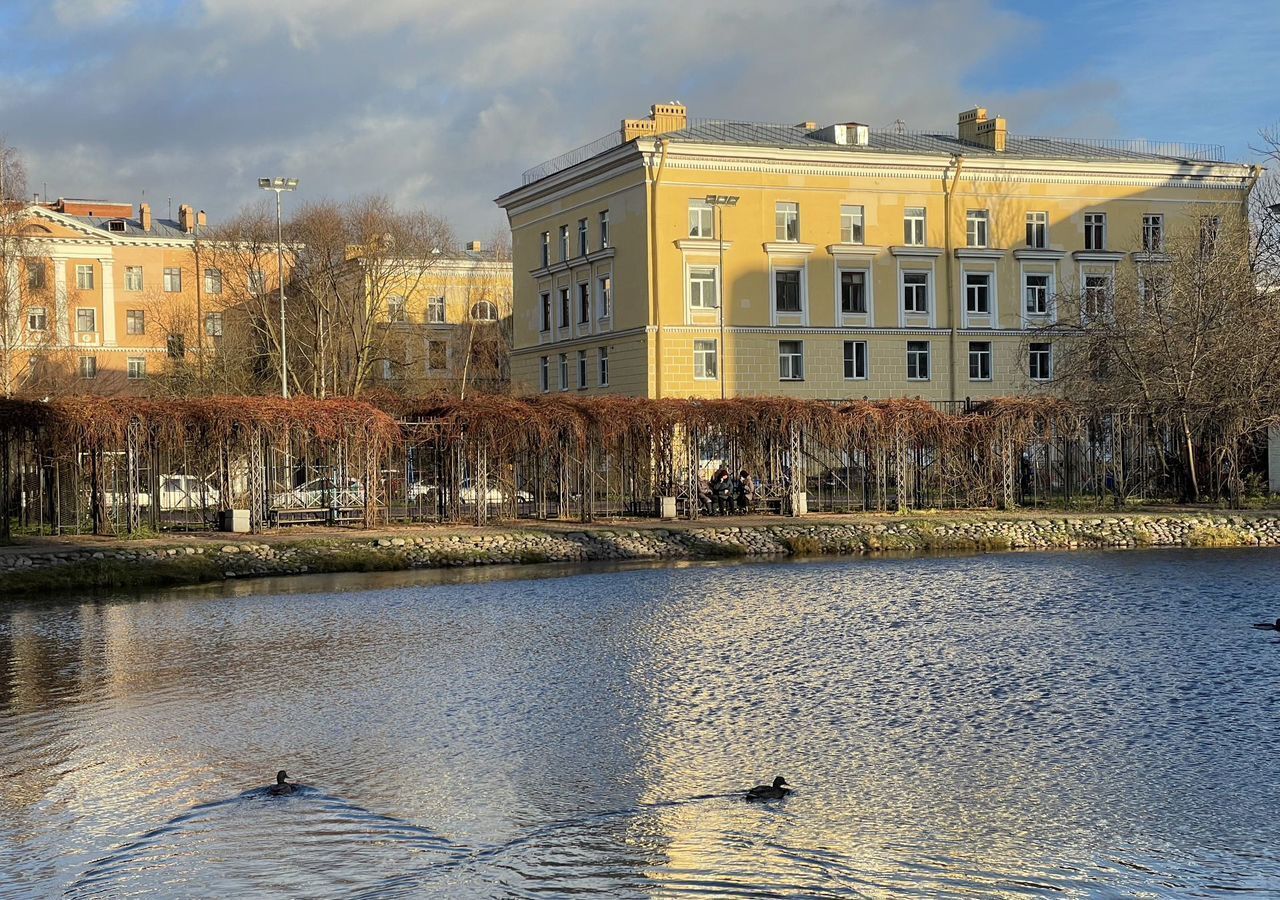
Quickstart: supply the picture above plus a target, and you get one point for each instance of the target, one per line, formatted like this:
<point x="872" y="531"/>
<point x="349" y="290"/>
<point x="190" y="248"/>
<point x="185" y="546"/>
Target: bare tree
<point x="23" y="279"/>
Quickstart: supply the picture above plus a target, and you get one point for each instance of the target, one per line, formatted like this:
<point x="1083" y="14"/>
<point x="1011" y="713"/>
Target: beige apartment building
<point x="684" y="258"/>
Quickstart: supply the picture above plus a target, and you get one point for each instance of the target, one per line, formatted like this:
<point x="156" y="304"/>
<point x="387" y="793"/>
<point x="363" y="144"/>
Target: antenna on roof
<point x="899" y="126"/>
<point x="170" y="207"/>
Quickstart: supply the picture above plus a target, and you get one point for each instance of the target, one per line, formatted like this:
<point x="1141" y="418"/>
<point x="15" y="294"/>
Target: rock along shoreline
<point x="43" y="570"/>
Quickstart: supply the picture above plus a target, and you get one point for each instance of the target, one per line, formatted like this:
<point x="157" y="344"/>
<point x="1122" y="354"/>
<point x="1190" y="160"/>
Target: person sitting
<point x="722" y="490"/>
<point x="744" y="489"/>
<point x="704" y="496"/>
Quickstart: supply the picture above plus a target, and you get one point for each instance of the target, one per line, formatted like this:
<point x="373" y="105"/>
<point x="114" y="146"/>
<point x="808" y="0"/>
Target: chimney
<point x="475" y="246"/>
<point x="663" y="117"/>
<point x="974" y="127"/>
<point x="144" y="216"/>
<point x="186" y="217"/>
<point x="202" y="220"/>
<point x="967" y="125"/>
<point x="808" y="126"/>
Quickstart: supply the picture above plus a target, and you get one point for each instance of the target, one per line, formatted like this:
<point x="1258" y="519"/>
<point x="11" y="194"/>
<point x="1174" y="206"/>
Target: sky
<point x="441" y="105"/>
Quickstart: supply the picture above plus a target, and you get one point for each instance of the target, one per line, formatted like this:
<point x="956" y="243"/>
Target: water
<point x="1032" y="724"/>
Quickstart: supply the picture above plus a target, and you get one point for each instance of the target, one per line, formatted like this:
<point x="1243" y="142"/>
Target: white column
<point x="63" y="323"/>
<point x="108" y="302"/>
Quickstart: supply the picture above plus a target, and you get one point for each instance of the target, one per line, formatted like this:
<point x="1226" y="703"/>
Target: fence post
<point x="257" y="482"/>
<point x="798" y="498"/>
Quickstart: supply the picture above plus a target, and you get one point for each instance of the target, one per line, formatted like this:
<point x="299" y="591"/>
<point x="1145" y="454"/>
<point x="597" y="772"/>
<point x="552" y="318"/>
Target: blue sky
<point x="443" y="104"/>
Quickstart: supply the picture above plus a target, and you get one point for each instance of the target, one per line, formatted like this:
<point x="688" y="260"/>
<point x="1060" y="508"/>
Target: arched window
<point x="484" y="311"/>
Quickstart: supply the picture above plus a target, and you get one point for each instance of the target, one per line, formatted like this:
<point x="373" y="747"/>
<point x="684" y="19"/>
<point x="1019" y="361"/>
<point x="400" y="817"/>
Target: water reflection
<point x="1022" y="724"/>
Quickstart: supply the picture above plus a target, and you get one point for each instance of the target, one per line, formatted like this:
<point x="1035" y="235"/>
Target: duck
<point x="281" y="787"/>
<point x="774" y="791"/>
<point x="1265" y="626"/>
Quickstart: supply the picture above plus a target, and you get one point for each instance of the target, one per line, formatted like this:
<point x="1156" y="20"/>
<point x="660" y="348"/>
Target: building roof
<point x="160" y="228"/>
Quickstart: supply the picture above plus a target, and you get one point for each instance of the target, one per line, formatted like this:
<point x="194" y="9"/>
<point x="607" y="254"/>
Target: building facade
<point x="850" y="262"/>
<point x="100" y="298"/>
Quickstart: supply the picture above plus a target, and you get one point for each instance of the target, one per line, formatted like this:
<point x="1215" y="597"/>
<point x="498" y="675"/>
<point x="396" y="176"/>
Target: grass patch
<point x="111" y="574"/>
<point x="352" y="559"/>
<point x="1214" y="536"/>
<point x="802" y="545"/>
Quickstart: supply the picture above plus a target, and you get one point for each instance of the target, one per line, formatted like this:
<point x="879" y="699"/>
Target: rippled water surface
<point x="1087" y="724"/>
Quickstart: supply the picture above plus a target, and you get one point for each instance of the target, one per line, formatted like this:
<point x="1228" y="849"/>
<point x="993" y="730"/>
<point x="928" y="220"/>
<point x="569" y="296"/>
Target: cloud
<point x="443" y="104"/>
<point x="87" y="13"/>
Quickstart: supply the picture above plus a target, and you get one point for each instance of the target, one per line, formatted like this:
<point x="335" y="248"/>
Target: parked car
<point x="176" y="491"/>
<point x="321" y="493"/>
<point x="491" y="494"/>
<point x="421" y="491"/>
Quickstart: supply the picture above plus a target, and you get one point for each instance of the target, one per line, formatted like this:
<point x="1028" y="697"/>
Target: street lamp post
<point x="718" y="202"/>
<point x="280" y="185"/>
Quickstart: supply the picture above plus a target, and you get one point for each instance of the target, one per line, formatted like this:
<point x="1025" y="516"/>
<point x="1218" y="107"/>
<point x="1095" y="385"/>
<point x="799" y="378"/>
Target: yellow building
<point x="852" y="262"/>
<point x="98" y="299"/>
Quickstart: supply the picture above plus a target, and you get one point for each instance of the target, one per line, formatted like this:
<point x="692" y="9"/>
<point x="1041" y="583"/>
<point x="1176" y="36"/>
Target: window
<point x="791" y="360"/>
<point x="84" y="278"/>
<point x="977" y="293"/>
<point x="602" y="357"/>
<point x="396" y="310"/>
<point x="913" y="226"/>
<point x="213" y="281"/>
<point x="564" y="241"/>
<point x="853" y="292"/>
<point x="1036" y="290"/>
<point x="604" y="294"/>
<point x="484" y="311"/>
<point x="176" y="345"/>
<point x="35" y="276"/>
<point x="546" y="249"/>
<point x="1153" y="287"/>
<point x="582" y="237"/>
<point x="915" y="293"/>
<point x="435" y="311"/>
<point x="86" y="320"/>
<point x="584" y="303"/>
<point x="703" y="293"/>
<point x="1209" y="226"/>
<point x="135" y="321"/>
<point x="137" y="368"/>
<point x="213" y="324"/>
<point x="564" y="372"/>
<point x="851" y="224"/>
<point x="257" y="281"/>
<point x="702" y="222"/>
<point x="116" y="225"/>
<point x="1153" y="233"/>
<point x="1097" y="296"/>
<point x="1095" y="231"/>
<point x="786" y="218"/>
<point x="545" y="304"/>
<point x="786" y="290"/>
<point x="172" y="280"/>
<point x="855" y="359"/>
<point x="564" y="307"/>
<point x="979" y="360"/>
<point x="133" y="278"/>
<point x="604" y="228"/>
<point x="1041" y="362"/>
<point x="975" y="227"/>
<point x="704" y="360"/>
<point x="88" y="367"/>
<point x="582" y="369"/>
<point x="388" y="370"/>
<point x="1037" y="230"/>
<point x="37" y="318"/>
<point x="437" y="356"/>
<point x="544" y="374"/>
<point x="918" y="360"/>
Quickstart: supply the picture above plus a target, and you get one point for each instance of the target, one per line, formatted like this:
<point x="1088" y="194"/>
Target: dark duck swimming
<point x="1267" y="626"/>
<point x="774" y="791"/>
<point x="282" y="787"/>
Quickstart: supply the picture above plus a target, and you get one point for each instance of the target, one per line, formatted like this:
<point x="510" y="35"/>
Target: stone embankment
<point x="123" y="566"/>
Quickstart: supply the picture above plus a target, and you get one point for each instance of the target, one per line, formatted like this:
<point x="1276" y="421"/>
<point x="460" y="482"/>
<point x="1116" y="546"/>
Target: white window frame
<point x="852" y="224"/>
<point x="1095" y="223"/>
<point x="1037" y="229"/>
<point x="136" y="368"/>
<point x="546" y="249"/>
<point x="93" y="367"/>
<point x="483" y="311"/>
<point x="213" y="281"/>
<point x="981" y="349"/>
<point x="915" y="228"/>
<point x="437" y="311"/>
<point x="397" y="309"/>
<point x="702" y="275"/>
<point x="84" y="278"/>
<point x="565" y="313"/>
<point x="443" y="356"/>
<point x="602" y="365"/>
<point x="928" y="292"/>
<point x="801" y="289"/>
<point x="706" y="360"/>
<point x="544" y="374"/>
<point x="977" y="228"/>
<point x="584" y="238"/>
<point x="989" y="278"/>
<point x="564" y="371"/>
<point x="545" y="311"/>
<point x="863" y="363"/>
<point x="135" y="315"/>
<point x="93" y="317"/>
<point x="604" y="229"/>
<point x="583" y="320"/>
<point x="1152" y="232"/>
<point x="40" y="313"/>
<point x="1027" y="311"/>
<point x="914" y="355"/>
<point x="133" y="278"/>
<point x="1089" y="308"/>
<point x="790" y="362"/>
<point x="1046" y="354"/>
<point x="257" y="281"/>
<point x="786" y="221"/>
<point x="866" y="303"/>
<point x="172" y="277"/>
<point x="582" y="370"/>
<point x="564" y="242"/>
<point x="213" y="324"/>
<point x="702" y="220"/>
<point x="604" y="295"/>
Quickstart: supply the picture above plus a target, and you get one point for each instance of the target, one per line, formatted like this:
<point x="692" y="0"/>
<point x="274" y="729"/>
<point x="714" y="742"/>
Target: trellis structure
<point x="119" y="465"/>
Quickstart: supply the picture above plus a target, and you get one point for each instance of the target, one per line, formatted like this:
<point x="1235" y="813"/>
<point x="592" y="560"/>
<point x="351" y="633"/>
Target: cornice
<point x="860" y="250"/>
<point x="1097" y="255"/>
<point x="788" y="248"/>
<point x="928" y="252"/>
<point x="979" y="253"/>
<point x="702" y="245"/>
<point x="1039" y="255"/>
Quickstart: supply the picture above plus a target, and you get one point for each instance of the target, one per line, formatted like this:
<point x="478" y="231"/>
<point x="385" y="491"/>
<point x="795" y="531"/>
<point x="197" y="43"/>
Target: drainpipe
<point x="953" y="305"/>
<point x="654" y="307"/>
